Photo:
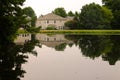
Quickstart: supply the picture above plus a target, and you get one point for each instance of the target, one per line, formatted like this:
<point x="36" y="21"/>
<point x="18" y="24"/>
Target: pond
<point x="62" y="57"/>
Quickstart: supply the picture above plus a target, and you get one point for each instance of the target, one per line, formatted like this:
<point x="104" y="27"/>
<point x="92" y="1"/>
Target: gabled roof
<point x="51" y="16"/>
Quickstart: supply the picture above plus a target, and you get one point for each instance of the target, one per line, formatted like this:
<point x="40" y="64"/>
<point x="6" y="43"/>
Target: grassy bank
<point x="22" y="31"/>
<point x="80" y="32"/>
<point x="83" y="32"/>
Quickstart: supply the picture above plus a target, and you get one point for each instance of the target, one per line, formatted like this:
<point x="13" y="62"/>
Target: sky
<point x="42" y="7"/>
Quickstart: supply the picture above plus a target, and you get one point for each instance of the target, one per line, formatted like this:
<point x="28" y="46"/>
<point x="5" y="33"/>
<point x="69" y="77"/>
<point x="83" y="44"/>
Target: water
<point x="67" y="57"/>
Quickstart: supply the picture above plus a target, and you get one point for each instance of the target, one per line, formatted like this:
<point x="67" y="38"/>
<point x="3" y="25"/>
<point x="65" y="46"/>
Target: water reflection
<point x="95" y="46"/>
<point x="58" y="41"/>
<point x="13" y="55"/>
<point x="75" y="57"/>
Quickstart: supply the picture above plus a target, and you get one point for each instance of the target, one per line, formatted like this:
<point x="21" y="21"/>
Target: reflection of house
<point x="48" y="40"/>
<point x="22" y="38"/>
<point x="52" y="40"/>
<point x="52" y="20"/>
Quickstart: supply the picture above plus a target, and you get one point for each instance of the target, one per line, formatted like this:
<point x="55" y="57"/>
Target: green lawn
<point x="83" y="32"/>
<point x="80" y="32"/>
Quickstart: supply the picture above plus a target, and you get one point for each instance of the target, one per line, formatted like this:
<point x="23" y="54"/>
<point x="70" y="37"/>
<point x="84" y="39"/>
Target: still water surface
<point x="70" y="57"/>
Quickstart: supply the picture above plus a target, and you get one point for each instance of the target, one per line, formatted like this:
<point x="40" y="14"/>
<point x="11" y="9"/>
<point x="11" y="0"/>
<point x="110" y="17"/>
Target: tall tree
<point x="60" y="11"/>
<point x="76" y="16"/>
<point x="114" y="5"/>
<point x="12" y="57"/>
<point x="10" y="19"/>
<point x="70" y="13"/>
<point x="93" y="16"/>
<point x="29" y="12"/>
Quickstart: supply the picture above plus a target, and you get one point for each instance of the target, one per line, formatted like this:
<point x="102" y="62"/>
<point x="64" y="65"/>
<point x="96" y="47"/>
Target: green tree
<point x="107" y="17"/>
<point x="10" y="19"/>
<point x="60" y="11"/>
<point x="76" y="16"/>
<point x="72" y="24"/>
<point x="114" y="5"/>
<point x="12" y="57"/>
<point x="70" y="13"/>
<point x="29" y="12"/>
<point x="93" y="16"/>
<point x="116" y="20"/>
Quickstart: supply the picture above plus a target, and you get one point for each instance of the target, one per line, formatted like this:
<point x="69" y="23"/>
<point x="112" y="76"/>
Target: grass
<point x="22" y="31"/>
<point x="80" y="32"/>
<point x="83" y="32"/>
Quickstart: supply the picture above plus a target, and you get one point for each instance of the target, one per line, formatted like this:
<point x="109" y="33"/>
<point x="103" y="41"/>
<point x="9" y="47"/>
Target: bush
<point x="72" y="24"/>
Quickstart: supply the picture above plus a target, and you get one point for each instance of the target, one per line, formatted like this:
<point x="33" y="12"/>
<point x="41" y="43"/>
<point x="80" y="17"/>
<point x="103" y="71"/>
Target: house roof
<point x="51" y="16"/>
<point x="69" y="18"/>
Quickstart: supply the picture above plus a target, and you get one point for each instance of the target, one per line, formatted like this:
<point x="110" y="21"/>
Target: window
<point x="54" y="21"/>
<point x="59" y="27"/>
<point x="47" y="39"/>
<point x="47" y="21"/>
<point x="54" y="39"/>
<point x="22" y="35"/>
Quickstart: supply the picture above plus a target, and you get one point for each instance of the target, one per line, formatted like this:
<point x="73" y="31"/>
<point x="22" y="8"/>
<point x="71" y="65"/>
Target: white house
<point x="52" y="20"/>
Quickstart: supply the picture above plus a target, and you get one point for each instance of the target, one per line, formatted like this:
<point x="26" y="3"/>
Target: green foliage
<point x="76" y="16"/>
<point x="72" y="24"/>
<point x="114" y="5"/>
<point x="10" y="19"/>
<point x="60" y="11"/>
<point x="29" y="12"/>
<point x="93" y="16"/>
<point x="90" y="16"/>
<point x="12" y="57"/>
<point x="107" y="17"/>
<point x="116" y="20"/>
<point x="70" y="13"/>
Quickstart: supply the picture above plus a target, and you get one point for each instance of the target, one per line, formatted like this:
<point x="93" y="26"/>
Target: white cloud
<point x="47" y="6"/>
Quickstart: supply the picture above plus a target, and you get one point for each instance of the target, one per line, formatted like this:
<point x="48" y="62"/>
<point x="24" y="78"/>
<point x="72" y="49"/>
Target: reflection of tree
<point x="74" y="38"/>
<point x="94" y="46"/>
<point x="12" y="57"/>
<point x="61" y="47"/>
<point x="70" y="44"/>
<point x="114" y="55"/>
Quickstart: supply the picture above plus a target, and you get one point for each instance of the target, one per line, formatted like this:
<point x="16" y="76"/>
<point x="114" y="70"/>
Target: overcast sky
<point x="47" y="6"/>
